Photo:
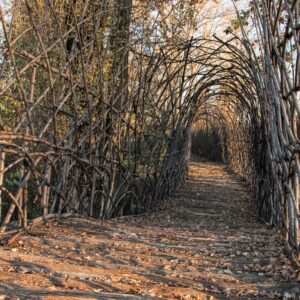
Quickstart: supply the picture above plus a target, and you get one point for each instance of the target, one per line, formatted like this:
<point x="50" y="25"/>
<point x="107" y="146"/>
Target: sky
<point x="218" y="14"/>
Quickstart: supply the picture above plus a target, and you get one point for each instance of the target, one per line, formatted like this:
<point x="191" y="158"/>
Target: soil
<point x="205" y="242"/>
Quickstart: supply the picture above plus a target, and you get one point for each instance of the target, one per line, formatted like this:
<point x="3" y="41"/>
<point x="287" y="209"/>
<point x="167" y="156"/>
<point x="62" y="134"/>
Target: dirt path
<point x="206" y="244"/>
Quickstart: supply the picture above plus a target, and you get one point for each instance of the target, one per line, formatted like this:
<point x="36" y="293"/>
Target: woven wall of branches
<point x="277" y="157"/>
<point x="98" y="107"/>
<point x="257" y="113"/>
<point x="93" y="119"/>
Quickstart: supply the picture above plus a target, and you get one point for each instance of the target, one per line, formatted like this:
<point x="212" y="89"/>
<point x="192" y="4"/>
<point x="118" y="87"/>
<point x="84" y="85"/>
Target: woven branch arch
<point x="97" y="118"/>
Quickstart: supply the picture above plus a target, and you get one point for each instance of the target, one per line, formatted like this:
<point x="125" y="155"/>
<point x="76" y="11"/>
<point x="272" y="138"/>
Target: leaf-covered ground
<point x="206" y="243"/>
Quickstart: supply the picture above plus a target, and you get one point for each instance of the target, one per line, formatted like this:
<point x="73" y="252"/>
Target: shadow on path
<point x="205" y="243"/>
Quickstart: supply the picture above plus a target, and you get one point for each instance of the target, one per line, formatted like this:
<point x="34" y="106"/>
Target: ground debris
<point x="204" y="243"/>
